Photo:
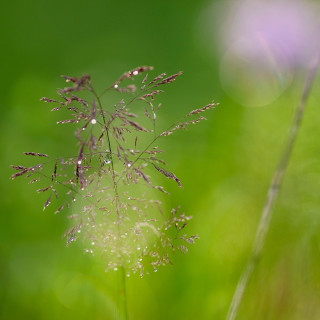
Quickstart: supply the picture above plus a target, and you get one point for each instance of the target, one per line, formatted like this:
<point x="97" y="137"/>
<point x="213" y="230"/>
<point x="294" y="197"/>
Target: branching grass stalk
<point x="112" y="217"/>
<point x="272" y="194"/>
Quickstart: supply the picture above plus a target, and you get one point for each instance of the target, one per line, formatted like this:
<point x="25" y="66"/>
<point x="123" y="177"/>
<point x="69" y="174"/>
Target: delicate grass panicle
<point x="115" y="156"/>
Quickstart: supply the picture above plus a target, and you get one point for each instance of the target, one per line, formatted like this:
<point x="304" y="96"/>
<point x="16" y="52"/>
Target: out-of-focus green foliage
<point x="225" y="165"/>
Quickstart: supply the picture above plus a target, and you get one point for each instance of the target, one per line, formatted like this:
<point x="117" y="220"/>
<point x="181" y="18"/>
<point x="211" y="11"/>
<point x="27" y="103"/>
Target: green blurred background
<point x="225" y="165"/>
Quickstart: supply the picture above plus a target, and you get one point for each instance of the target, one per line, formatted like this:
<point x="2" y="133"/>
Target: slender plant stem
<point x="272" y="194"/>
<point x="108" y="139"/>
<point x="123" y="293"/>
<point x="122" y="285"/>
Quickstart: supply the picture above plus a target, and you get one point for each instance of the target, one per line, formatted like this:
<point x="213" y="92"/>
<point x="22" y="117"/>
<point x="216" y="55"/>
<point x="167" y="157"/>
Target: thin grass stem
<point x="123" y="293"/>
<point x="122" y="289"/>
<point x="272" y="194"/>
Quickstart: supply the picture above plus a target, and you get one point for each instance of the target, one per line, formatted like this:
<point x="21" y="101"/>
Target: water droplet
<point x="115" y="86"/>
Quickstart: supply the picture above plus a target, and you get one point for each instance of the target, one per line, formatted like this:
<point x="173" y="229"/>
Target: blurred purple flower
<point x="262" y="43"/>
<point x="286" y="30"/>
